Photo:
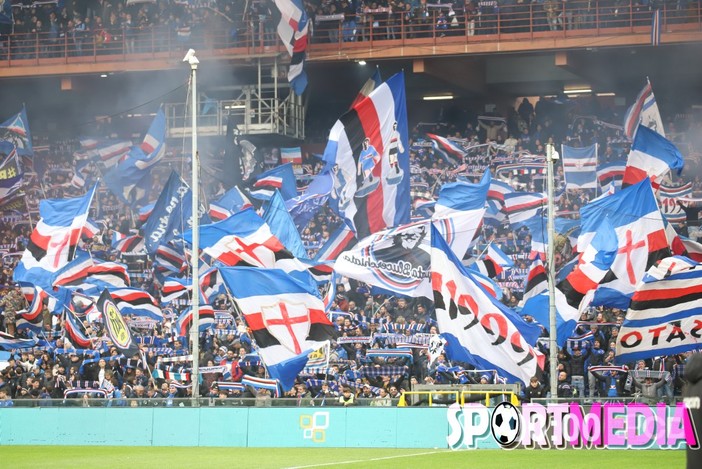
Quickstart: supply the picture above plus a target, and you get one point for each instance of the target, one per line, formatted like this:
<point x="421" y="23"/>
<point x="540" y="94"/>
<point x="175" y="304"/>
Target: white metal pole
<point x="550" y="272"/>
<point x="194" y="255"/>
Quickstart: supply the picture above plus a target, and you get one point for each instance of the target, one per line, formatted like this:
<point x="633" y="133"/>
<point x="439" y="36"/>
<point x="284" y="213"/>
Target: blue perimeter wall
<point x="222" y="426"/>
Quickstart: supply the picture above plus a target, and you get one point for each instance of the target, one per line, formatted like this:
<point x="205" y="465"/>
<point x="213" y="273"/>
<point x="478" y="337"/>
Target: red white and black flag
<point x="367" y="153"/>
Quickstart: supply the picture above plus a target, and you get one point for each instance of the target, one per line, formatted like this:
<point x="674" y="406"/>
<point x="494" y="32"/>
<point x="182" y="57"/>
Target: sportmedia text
<point x="570" y="425"/>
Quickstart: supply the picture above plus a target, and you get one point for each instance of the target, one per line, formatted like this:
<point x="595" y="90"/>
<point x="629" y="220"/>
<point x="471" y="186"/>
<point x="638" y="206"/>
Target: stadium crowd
<point x="83" y="27"/>
<point x="347" y="374"/>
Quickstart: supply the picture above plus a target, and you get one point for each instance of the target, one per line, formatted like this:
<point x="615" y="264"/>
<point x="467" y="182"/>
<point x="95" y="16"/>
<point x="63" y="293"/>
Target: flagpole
<point x="194" y="255"/>
<point x="550" y="272"/>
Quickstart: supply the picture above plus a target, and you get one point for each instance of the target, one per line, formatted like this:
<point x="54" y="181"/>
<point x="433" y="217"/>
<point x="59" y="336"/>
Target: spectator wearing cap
<point x="365" y="393"/>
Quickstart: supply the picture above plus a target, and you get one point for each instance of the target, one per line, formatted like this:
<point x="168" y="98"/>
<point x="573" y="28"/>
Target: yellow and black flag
<point x="116" y="326"/>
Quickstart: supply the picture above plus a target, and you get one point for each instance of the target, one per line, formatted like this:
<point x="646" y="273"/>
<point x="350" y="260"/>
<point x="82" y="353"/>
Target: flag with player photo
<point x="367" y="153"/>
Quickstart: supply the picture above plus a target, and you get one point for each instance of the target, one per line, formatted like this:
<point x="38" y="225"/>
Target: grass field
<point x="17" y="457"/>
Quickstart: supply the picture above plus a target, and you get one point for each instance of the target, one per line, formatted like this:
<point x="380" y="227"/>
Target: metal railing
<point x="229" y="401"/>
<point x="550" y="20"/>
<point x="443" y="398"/>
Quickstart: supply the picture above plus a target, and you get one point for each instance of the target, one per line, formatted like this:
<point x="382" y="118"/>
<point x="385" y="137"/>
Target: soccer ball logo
<point x="506" y="424"/>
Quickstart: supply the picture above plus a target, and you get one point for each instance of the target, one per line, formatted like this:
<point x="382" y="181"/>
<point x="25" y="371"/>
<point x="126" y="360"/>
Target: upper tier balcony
<point x="375" y="34"/>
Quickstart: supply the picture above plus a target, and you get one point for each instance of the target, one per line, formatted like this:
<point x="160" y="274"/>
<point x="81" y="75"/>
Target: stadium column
<point x="194" y="256"/>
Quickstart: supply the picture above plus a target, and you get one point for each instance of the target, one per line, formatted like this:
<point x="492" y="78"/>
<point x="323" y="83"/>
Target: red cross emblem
<point x="289" y="323"/>
<point x="627" y="249"/>
<point x="246" y="252"/>
<point x="59" y="244"/>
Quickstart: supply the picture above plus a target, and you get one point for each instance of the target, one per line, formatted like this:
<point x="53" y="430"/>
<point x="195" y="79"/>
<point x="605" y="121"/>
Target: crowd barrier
<point x="455" y="427"/>
<point x="390" y="427"/>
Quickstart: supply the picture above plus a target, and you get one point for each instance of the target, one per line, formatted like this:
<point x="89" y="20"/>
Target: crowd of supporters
<point x="354" y="371"/>
<point x="120" y="27"/>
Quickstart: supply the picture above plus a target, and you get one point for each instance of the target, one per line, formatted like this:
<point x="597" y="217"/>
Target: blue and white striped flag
<point x="580" y="166"/>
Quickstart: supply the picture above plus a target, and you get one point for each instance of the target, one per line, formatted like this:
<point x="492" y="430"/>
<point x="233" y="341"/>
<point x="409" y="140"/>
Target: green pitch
<point x="42" y="457"/>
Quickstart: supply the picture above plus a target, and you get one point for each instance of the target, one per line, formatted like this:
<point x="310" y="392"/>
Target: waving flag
<point x="108" y="152"/>
<point x="367" y="154"/>
<point x="211" y="285"/>
<point x="283" y="227"/>
<point x="285" y="316"/>
<point x="170" y="257"/>
<point x="173" y="288"/>
<point x="185" y="320"/>
<point x="75" y="270"/>
<point x="245" y="239"/>
<point x="54" y="239"/>
<point x="536" y="281"/>
<point x="8" y="342"/>
<point x="130" y="179"/>
<point x="574" y="292"/>
<point x="371" y="84"/>
<point x="242" y="239"/>
<point x="339" y="241"/>
<point x="291" y="155"/>
<point x="664" y="315"/>
<point x="522" y="206"/>
<point x="293" y="31"/>
<point x="79" y="179"/>
<point x="612" y="172"/>
<point x="115" y="325"/>
<point x="448" y="150"/>
<point x="671" y="199"/>
<point x="651" y="155"/>
<point x="303" y="207"/>
<point x="398" y="260"/>
<point x="172" y="214"/>
<point x="231" y="202"/>
<point x="33" y="318"/>
<point x="478" y="329"/>
<point x="497" y="191"/>
<point x="10" y="172"/>
<point x="644" y="112"/>
<point x="127" y="244"/>
<point x="135" y="302"/>
<point x="462" y="196"/>
<point x="493" y="262"/>
<point x="75" y="330"/>
<point x="580" y="166"/>
<point x="16" y="131"/>
<point x="642" y="240"/>
<point x="281" y="178"/>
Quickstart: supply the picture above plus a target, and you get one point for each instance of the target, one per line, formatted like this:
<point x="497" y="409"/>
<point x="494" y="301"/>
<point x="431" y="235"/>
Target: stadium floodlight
<point x="192" y="60"/>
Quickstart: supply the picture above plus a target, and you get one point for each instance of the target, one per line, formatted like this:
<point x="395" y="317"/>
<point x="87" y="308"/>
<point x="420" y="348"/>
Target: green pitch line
<point x="43" y="457"/>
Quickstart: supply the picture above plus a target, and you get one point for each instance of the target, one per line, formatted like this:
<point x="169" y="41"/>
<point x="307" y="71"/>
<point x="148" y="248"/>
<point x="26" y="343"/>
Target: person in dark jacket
<point x="692" y="395"/>
<point x="535" y="390"/>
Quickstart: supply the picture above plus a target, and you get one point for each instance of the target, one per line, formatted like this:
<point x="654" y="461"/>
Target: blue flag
<point x="54" y="239"/>
<point x="580" y="166"/>
<point x="283" y="227"/>
<point x="231" y="202"/>
<point x="281" y="177"/>
<point x="16" y="130"/>
<point x="172" y="214"/>
<point x="303" y="207"/>
<point x="130" y="180"/>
